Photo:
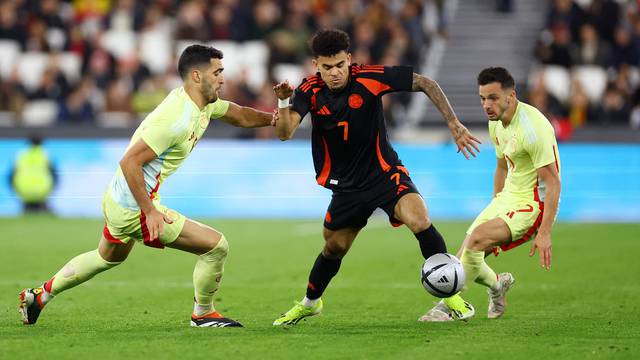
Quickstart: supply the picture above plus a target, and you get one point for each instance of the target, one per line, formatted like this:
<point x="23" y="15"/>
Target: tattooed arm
<point x="465" y="141"/>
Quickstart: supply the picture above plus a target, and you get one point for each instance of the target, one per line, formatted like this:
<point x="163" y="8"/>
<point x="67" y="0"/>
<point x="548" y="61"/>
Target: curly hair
<point x="329" y="42"/>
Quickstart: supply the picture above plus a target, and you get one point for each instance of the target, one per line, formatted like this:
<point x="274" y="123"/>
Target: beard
<point x="209" y="93"/>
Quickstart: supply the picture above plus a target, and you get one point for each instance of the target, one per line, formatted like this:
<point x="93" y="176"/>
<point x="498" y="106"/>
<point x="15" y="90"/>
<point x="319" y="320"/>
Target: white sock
<point x="46" y="296"/>
<point x="309" y="302"/>
<point x="200" y="310"/>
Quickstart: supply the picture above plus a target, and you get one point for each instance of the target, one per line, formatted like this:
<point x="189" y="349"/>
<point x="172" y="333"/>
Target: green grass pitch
<point x="586" y="307"/>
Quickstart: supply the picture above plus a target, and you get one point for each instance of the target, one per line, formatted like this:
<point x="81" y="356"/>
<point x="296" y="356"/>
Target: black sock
<point x="324" y="269"/>
<point x="431" y="242"/>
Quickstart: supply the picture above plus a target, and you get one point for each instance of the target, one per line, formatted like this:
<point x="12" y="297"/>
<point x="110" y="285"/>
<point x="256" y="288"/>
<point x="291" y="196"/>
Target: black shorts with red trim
<point x="353" y="209"/>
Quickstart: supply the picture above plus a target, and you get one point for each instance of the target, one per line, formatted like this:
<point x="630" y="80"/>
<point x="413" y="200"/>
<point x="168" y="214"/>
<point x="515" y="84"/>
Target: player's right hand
<point x="155" y="223"/>
<point x="283" y="90"/>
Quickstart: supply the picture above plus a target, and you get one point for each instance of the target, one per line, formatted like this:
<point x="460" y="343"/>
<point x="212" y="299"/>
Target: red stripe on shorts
<point x="145" y="234"/>
<point x="107" y="235"/>
<point x="532" y="230"/>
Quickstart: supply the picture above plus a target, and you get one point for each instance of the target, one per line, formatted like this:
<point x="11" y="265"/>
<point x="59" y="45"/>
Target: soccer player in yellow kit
<point x="526" y="190"/>
<point x="131" y="207"/>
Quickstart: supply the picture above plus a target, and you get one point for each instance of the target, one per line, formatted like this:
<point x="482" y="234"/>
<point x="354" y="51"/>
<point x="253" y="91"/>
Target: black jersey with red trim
<point x="350" y="146"/>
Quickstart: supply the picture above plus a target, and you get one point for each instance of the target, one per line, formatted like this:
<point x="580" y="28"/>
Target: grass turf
<point x="586" y="307"/>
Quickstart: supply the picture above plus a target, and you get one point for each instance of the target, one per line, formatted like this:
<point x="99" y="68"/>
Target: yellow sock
<point x="78" y="270"/>
<point x="472" y="261"/>
<point x="208" y="274"/>
<point x="487" y="276"/>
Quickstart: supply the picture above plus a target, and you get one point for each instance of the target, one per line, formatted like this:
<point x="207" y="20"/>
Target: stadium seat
<point x="39" y="113"/>
<point x="70" y="64"/>
<point x="119" y="43"/>
<point x="10" y="51"/>
<point x="254" y="56"/>
<point x="155" y="50"/>
<point x="31" y="66"/>
<point x="232" y="56"/>
<point x="557" y="82"/>
<point x="292" y="72"/>
<point x="593" y="80"/>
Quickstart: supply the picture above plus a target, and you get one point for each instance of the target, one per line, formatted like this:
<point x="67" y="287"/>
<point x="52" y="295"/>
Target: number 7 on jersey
<point x="346" y="129"/>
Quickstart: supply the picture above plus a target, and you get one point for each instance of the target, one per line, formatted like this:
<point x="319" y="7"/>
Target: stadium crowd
<point x="109" y="62"/>
<point x="589" y="57"/>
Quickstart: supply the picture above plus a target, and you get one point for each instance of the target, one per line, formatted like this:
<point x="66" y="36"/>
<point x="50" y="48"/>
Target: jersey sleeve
<point x="302" y="99"/>
<point x="218" y="109"/>
<point x="494" y="139"/>
<point x="380" y="80"/>
<point x="539" y="141"/>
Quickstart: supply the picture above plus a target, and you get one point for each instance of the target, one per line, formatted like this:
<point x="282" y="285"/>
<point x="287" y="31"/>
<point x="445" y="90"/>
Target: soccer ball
<point x="442" y="275"/>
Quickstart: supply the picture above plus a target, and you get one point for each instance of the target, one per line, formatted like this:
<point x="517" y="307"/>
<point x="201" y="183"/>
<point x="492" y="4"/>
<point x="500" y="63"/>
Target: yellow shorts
<point x="123" y="225"/>
<point x="523" y="217"/>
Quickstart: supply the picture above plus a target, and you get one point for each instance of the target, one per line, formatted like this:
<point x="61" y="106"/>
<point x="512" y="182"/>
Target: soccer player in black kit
<point x="353" y="157"/>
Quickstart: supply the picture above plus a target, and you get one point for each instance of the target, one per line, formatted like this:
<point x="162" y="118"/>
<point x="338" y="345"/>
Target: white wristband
<point x="283" y="103"/>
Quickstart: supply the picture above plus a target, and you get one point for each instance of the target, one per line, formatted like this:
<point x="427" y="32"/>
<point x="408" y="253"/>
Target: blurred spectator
<point x="33" y="177"/>
<point x="615" y="109"/>
<point x="53" y="86"/>
<point x="266" y="16"/>
<point x="553" y="47"/>
<point x="579" y="107"/>
<point x="78" y="107"/>
<point x="12" y="95"/>
<point x="191" y="22"/>
<point x="150" y="93"/>
<point x="10" y="25"/>
<point x="604" y="59"/>
<point x="127" y="48"/>
<point x="605" y="14"/>
<point x="590" y="50"/>
<point x="567" y="14"/>
<point x="624" y="50"/>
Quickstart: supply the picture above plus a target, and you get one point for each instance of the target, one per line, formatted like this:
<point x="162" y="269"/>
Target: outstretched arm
<point x="246" y="117"/>
<point x="465" y="141"/>
<point x="288" y="120"/>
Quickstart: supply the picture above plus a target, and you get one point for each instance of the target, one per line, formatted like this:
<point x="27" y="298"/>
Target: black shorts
<point x="353" y="209"/>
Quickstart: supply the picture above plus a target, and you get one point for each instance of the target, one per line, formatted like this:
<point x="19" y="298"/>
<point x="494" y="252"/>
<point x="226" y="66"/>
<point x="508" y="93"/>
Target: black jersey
<point x="350" y="146"/>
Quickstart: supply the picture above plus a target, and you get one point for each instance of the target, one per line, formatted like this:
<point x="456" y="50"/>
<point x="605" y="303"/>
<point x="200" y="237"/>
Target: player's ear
<point x="195" y="76"/>
<point x="314" y="62"/>
<point x="348" y="59"/>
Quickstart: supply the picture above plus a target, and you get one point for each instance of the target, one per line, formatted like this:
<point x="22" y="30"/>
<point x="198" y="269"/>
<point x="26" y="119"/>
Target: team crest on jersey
<point x="203" y="122"/>
<point x="355" y="101"/>
<point x="171" y="214"/>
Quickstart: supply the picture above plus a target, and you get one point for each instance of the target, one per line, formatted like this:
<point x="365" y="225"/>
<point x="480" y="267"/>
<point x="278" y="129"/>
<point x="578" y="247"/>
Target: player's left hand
<point x="542" y="242"/>
<point x="274" y="117"/>
<point x="465" y="141"/>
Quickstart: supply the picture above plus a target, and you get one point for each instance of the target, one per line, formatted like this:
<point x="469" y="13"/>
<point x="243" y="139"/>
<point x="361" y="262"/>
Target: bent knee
<point x="479" y="242"/>
<point x="335" y="249"/>
<point x="419" y="224"/>
<point x="220" y="245"/>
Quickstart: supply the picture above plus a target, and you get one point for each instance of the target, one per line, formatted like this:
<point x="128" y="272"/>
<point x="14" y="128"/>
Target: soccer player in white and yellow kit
<point x="131" y="207"/>
<point x="526" y="190"/>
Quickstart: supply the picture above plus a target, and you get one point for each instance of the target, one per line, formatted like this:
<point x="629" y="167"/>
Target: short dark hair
<point x="496" y="74"/>
<point x="196" y="55"/>
<point x="329" y="42"/>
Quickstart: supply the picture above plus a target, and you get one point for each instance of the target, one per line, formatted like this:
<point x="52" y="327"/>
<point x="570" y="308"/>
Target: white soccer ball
<point x="442" y="275"/>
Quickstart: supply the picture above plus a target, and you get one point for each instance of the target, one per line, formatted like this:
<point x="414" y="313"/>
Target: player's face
<point x="211" y="80"/>
<point x="495" y="100"/>
<point x="334" y="70"/>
